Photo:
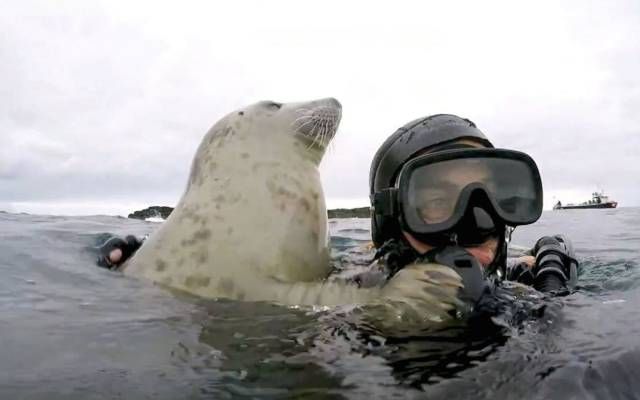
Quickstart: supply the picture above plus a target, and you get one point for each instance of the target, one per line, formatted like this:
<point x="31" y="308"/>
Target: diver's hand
<point x="520" y="269"/>
<point x="555" y="269"/>
<point x="115" y="251"/>
<point x="525" y="261"/>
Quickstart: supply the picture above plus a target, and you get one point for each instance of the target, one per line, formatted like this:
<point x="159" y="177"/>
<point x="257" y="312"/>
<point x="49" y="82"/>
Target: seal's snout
<point x="331" y="102"/>
<point x="319" y="120"/>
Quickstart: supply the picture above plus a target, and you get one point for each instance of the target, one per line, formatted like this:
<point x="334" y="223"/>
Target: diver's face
<point x="438" y="199"/>
<point x="437" y="193"/>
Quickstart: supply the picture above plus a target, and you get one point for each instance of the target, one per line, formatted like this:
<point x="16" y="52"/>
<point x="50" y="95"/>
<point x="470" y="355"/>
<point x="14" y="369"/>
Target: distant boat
<point x="598" y="200"/>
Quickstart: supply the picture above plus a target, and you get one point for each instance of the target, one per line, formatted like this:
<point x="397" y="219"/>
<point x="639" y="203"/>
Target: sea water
<point x="71" y="330"/>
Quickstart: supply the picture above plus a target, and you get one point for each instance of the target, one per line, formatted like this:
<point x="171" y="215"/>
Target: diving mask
<point x="464" y="191"/>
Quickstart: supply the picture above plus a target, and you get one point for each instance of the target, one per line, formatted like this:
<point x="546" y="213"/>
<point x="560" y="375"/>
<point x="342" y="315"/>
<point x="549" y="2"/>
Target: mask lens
<point x="515" y="191"/>
<point x="435" y="193"/>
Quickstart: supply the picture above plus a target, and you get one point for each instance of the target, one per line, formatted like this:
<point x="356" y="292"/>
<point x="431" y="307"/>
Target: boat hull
<point x="581" y="206"/>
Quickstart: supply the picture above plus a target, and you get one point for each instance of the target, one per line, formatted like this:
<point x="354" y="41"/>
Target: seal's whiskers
<point x="319" y="124"/>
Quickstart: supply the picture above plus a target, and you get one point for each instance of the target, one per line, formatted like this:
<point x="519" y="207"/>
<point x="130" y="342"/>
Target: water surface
<point x="70" y="330"/>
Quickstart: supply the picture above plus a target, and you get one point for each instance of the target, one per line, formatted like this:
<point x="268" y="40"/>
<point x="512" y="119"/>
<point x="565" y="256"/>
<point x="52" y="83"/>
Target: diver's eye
<point x="438" y="203"/>
<point x="273" y="105"/>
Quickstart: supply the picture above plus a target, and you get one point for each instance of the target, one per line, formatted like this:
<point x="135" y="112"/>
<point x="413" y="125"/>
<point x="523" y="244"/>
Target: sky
<point x="103" y="103"/>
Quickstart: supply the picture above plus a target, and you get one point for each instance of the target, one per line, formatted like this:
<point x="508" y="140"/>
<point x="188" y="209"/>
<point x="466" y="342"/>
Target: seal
<point x="252" y="222"/>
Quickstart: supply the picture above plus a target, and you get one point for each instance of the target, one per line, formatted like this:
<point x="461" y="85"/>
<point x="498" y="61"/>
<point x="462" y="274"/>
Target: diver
<point x="441" y="193"/>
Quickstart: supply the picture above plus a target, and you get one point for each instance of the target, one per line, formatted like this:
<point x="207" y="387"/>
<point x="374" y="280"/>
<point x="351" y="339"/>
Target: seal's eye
<point x="273" y="105"/>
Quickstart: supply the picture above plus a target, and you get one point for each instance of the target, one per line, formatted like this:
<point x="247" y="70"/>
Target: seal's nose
<point x="331" y="102"/>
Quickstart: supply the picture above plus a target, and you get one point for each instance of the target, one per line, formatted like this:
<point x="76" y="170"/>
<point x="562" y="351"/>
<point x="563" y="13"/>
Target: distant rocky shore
<point x="163" y="212"/>
<point x="362" y="212"/>
<point x="152" y="212"/>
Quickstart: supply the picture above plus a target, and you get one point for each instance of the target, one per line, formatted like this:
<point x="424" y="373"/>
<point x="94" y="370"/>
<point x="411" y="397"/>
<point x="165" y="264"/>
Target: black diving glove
<point x="556" y="269"/>
<point x="128" y="246"/>
<point x="519" y="272"/>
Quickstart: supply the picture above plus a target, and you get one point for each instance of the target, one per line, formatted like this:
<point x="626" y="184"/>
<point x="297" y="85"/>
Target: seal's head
<point x="313" y="123"/>
<point x="265" y="133"/>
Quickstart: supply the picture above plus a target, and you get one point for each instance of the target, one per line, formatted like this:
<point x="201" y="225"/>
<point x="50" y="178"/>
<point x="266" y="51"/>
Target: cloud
<point x="108" y="100"/>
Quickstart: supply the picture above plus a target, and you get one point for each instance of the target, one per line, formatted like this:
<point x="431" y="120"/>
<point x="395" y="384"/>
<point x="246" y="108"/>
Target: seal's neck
<point x="311" y="150"/>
